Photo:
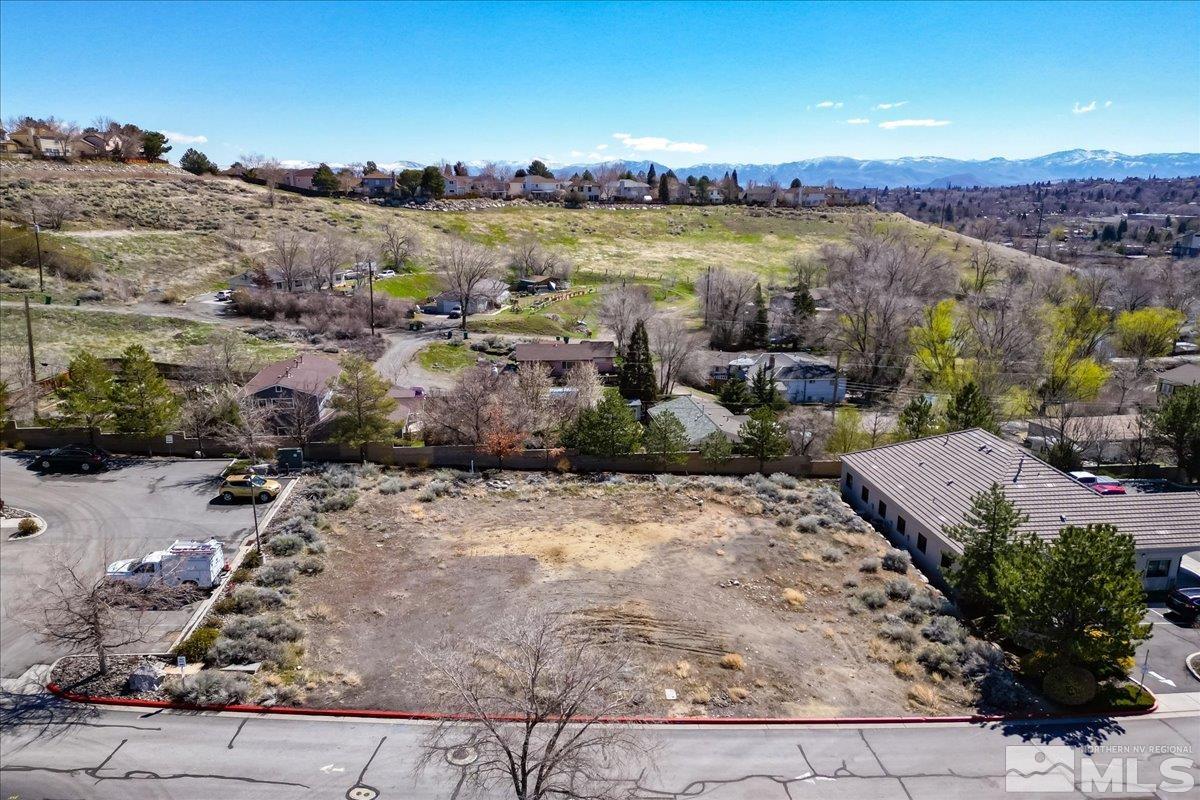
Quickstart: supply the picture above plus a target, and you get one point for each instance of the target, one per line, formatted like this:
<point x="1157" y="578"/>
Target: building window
<point x="1158" y="568"/>
<point x="901" y="523"/>
<point x="921" y="542"/>
<point x="866" y="494"/>
<point x="849" y="479"/>
<point x="947" y="560"/>
<point x="883" y="509"/>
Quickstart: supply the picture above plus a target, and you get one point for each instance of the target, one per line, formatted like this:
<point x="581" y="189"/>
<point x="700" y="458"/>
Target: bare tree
<point x="207" y="410"/>
<point x="527" y="257"/>
<point x="464" y="269"/>
<point x="304" y="419"/>
<point x="326" y="255"/>
<point x="267" y="169"/>
<point x="400" y="244"/>
<point x="74" y="607"/>
<point x="460" y="415"/>
<point x="52" y="211"/>
<point x="530" y="700"/>
<point x="251" y="431"/>
<point x="807" y="270"/>
<point x="807" y="430"/>
<point x="222" y="359"/>
<point x="622" y="308"/>
<point x="673" y="347"/>
<point x="985" y="271"/>
<point x="286" y="255"/>
<point x="726" y="301"/>
<point x="584" y="389"/>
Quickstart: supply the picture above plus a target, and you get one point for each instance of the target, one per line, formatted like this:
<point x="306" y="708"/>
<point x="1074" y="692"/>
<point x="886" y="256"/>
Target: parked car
<point x="386" y="273"/>
<point x="184" y="563"/>
<point x="1186" y="348"/>
<point x="1185" y="602"/>
<point x="264" y="490"/>
<point x="1086" y="478"/>
<point x="224" y="296"/>
<point x="454" y="315"/>
<point x="82" y="457"/>
<point x="1107" y="488"/>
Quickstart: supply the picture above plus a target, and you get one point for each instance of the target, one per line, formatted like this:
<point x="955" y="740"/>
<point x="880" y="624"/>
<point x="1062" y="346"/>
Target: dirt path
<point x="121" y="232"/>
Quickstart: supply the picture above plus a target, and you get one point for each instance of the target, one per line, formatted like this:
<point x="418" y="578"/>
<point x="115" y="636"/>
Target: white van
<point x="197" y="564"/>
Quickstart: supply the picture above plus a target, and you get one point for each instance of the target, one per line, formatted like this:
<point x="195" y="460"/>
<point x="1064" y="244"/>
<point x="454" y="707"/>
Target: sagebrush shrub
<point x="285" y="544"/>
<point x="275" y="575"/>
<point x="896" y="561"/>
<point x="249" y="599"/>
<point x="938" y="658"/>
<point x="246" y="650"/>
<point x="869" y="565"/>
<point x="211" y="688"/>
<point x="898" y="632"/>
<point x="872" y="598"/>
<point x="272" y="627"/>
<point x="945" y="630"/>
<point x="899" y="589"/>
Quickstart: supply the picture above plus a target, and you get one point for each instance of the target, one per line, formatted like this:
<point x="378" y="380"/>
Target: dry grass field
<point x="735" y="598"/>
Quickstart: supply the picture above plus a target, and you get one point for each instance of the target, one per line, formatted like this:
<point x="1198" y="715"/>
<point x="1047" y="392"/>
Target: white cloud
<point x="183" y="138"/>
<point x="1108" y="103"/>
<point x="576" y="153"/>
<point x="886" y="106"/>
<point x="829" y="104"/>
<point x="914" y="123"/>
<point x="858" y="121"/>
<point x="296" y="163"/>
<point x="602" y="147"/>
<point x="659" y="143"/>
<point x="1089" y="108"/>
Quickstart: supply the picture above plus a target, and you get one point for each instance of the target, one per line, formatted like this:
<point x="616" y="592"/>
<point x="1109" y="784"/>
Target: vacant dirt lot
<point x="678" y="573"/>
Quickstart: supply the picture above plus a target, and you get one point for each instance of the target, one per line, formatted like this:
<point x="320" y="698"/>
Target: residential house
<point x="489" y="294"/>
<point x="298" y="178"/>
<point x="1187" y="246"/>
<point x="799" y="378"/>
<point x="304" y="382"/>
<point x="535" y="187"/>
<point x="591" y="190"/>
<point x="41" y="143"/>
<point x="919" y="487"/>
<point x="1184" y="375"/>
<point x="1108" y="439"/>
<point x="761" y="196"/>
<point x="715" y="195"/>
<point x="536" y="284"/>
<point x="630" y="190"/>
<point x="560" y="356"/>
<point x="273" y="278"/>
<point x="376" y="184"/>
<point x="406" y="416"/>
<point x="458" y="185"/>
<point x="489" y="186"/>
<point x="701" y="418"/>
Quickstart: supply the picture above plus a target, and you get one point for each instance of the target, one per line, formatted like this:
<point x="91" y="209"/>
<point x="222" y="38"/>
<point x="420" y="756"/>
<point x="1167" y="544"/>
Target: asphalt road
<point x="141" y="506"/>
<point x="111" y="753"/>
<point x="1161" y="661"/>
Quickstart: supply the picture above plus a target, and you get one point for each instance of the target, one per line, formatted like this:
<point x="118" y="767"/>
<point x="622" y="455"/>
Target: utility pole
<point x="37" y="238"/>
<point x="1037" y="237"/>
<point x="707" y="293"/>
<point x="371" y="292"/>
<point x="837" y="379"/>
<point x="29" y="341"/>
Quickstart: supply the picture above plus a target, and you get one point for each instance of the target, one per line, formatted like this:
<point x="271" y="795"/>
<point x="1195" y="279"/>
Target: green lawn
<point x="445" y="357"/>
<point x="410" y="285"/>
<point x="522" y="323"/>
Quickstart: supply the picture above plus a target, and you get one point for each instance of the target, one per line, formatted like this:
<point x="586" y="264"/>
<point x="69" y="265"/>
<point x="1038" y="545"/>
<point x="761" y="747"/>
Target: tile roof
<point x="933" y="480"/>
<point x="561" y="351"/>
<point x="306" y="373"/>
<point x="1183" y="375"/>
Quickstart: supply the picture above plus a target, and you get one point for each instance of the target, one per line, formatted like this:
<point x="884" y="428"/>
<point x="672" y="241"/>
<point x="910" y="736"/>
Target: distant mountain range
<point x="921" y="171"/>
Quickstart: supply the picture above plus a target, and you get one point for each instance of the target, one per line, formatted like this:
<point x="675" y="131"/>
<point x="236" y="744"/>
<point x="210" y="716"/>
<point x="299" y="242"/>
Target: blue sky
<point x="681" y="83"/>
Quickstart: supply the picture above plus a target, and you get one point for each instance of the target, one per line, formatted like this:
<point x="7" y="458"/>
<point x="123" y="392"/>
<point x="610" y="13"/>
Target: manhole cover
<point x="360" y="791"/>
<point x="462" y="755"/>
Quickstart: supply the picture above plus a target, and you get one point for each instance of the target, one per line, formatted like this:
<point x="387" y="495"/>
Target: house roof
<point x="700" y="419"/>
<point x="933" y="480"/>
<point x="1184" y="375"/>
<point x="307" y="372"/>
<point x="488" y="287"/>
<point x="377" y="175"/>
<point x="536" y="279"/>
<point x="562" y="351"/>
<point x="788" y="366"/>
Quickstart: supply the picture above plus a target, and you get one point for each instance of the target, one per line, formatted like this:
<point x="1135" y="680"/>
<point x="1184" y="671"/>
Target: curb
<point x="13" y="537"/>
<point x="200" y="613"/>
<point x="430" y="716"/>
<point x="1187" y="662"/>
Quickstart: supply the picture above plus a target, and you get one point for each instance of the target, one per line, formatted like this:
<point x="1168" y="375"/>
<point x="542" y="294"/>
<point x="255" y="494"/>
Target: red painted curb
<point x="368" y="713"/>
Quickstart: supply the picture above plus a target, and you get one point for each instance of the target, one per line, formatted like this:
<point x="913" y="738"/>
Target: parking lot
<point x="1171" y="642"/>
<point x="139" y="506"/>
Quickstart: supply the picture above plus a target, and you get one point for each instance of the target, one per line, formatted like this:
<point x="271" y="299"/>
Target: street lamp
<point x="256" y="483"/>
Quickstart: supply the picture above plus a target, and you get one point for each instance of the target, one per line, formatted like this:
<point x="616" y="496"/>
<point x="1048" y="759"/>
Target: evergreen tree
<point x="970" y="408"/>
<point x="433" y="182"/>
<point x="196" y="162"/>
<point x="986" y="533"/>
<point x="154" y="145"/>
<point x="370" y="167"/>
<point x="651" y="175"/>
<point x="1080" y="598"/>
<point x="666" y="438"/>
<point x="796" y="184"/>
<point x="763" y="389"/>
<point x="362" y="399"/>
<point x="1122" y="228"/>
<point x="324" y="179"/>
<point x="539" y="169"/>
<point x="664" y="190"/>
<point x="142" y="401"/>
<point x="460" y="169"/>
<point x="587" y="175"/>
<point x="758" y="331"/>
<point x="735" y="179"/>
<point x="716" y="447"/>
<point x="609" y="429"/>
<point x="1176" y="427"/>
<point x="804" y="308"/>
<point x="916" y="419"/>
<point x="735" y="395"/>
<point x="762" y="437"/>
<point x="636" y="373"/>
<point x="86" y="399"/>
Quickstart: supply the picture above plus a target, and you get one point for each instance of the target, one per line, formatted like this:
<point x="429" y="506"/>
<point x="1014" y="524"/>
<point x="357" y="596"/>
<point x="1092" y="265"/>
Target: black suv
<point x="1185" y="602"/>
<point x="81" y="457"/>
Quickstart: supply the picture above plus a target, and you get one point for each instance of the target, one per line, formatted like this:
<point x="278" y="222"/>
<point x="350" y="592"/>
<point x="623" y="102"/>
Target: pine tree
<point x="664" y="190"/>
<point x="735" y="395"/>
<point x="986" y="533"/>
<point x="758" y="331"/>
<point x="324" y="179"/>
<point x="587" y="175"/>
<point x="86" y="399"/>
<point x="636" y="374"/>
<point x="916" y="419"/>
<point x="762" y="437"/>
<point x="804" y="308"/>
<point x="763" y="388"/>
<point x="365" y="405"/>
<point x="370" y="167"/>
<point x="540" y="169"/>
<point x="609" y="429"/>
<point x="154" y="145"/>
<point x="970" y="408"/>
<point x="1122" y="228"/>
<point x="795" y="183"/>
<point x="666" y="438"/>
<point x="716" y="447"/>
<point x="196" y="162"/>
<point x="651" y="175"/>
<point x="142" y="401"/>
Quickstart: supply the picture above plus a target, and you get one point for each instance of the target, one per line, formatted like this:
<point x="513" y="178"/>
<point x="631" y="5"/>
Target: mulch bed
<point x="81" y="674"/>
